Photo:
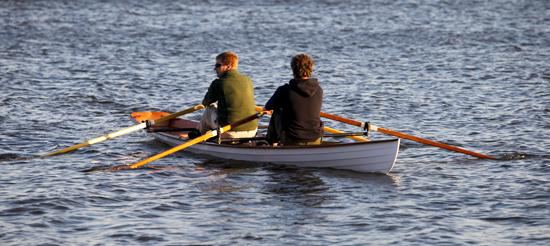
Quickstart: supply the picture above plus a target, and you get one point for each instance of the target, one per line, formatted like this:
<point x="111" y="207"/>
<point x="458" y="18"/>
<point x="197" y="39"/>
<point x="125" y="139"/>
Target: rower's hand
<point x="148" y="123"/>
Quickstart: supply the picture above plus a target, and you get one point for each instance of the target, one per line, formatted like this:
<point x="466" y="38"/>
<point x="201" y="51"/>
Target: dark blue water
<point x="474" y="74"/>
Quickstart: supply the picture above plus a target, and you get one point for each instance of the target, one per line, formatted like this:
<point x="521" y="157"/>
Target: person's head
<point x="226" y="61"/>
<point x="302" y="66"/>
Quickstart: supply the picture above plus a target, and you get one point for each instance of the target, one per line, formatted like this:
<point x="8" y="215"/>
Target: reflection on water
<point x="291" y="186"/>
<point x="295" y="185"/>
<point x="372" y="179"/>
<point x="217" y="171"/>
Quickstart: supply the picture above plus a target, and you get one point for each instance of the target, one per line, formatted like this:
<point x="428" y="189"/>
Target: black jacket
<point x="300" y="102"/>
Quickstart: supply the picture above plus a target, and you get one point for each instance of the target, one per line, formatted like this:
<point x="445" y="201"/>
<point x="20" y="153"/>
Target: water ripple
<point x="472" y="75"/>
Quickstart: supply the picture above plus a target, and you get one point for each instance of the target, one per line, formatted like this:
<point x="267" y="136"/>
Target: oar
<point x="125" y="131"/>
<point x="326" y="128"/>
<point x="372" y="127"/>
<point x="204" y="137"/>
<point x="335" y="131"/>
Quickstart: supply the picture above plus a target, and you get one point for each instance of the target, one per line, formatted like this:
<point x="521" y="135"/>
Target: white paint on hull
<point x="375" y="156"/>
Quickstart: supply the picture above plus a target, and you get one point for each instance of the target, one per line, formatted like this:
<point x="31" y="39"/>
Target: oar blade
<point x="429" y="142"/>
<point x="105" y="168"/>
<point x="105" y="137"/>
<point x="123" y="131"/>
<point x="404" y="135"/>
<point x="68" y="149"/>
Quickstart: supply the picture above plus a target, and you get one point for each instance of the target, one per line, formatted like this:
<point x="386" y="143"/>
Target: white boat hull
<point x="374" y="156"/>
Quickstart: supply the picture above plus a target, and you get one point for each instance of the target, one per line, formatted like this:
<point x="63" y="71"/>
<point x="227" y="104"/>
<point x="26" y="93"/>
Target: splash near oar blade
<point x="202" y="138"/>
<point x="371" y="127"/>
<point x="124" y="131"/>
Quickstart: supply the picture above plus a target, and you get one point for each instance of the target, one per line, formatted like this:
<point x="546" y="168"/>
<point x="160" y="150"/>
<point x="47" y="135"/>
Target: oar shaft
<point x="404" y="135"/>
<point x="204" y="137"/>
<point x="343" y="120"/>
<point x="89" y="142"/>
<point x="178" y="114"/>
<point x="124" y="131"/>
<point x="428" y="142"/>
<point x="356" y="138"/>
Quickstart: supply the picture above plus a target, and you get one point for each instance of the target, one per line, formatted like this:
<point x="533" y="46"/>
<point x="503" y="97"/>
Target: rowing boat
<point x="376" y="156"/>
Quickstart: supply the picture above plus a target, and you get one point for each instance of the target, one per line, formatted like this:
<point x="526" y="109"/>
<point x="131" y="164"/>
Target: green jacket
<point x="234" y="93"/>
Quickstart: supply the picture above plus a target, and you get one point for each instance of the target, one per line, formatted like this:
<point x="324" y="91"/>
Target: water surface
<point x="470" y="73"/>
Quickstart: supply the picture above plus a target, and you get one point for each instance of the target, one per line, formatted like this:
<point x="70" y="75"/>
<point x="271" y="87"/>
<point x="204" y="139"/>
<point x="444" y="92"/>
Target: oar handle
<point x="177" y="114"/>
<point x="242" y="121"/>
<point x="363" y="125"/>
<point x="262" y="109"/>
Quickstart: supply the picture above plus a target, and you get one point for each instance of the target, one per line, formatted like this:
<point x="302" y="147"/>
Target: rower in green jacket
<point x="230" y="98"/>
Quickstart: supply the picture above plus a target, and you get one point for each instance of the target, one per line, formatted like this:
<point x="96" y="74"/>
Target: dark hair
<point x="302" y="65"/>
